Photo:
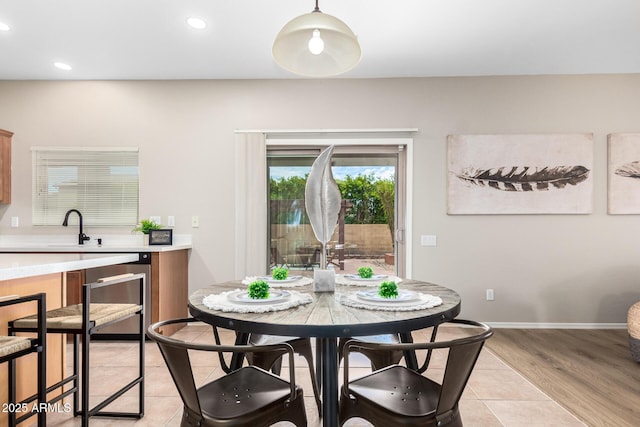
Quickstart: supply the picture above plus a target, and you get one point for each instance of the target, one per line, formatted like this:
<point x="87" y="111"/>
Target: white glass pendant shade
<point x="291" y="48"/>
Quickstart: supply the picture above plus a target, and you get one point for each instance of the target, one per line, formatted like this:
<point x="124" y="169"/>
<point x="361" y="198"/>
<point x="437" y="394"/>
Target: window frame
<point x="105" y="197"/>
<point x="402" y="145"/>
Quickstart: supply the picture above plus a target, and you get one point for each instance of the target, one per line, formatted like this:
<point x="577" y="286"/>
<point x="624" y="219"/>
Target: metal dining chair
<point x="399" y="396"/>
<point x="13" y="347"/>
<point x="379" y="359"/>
<point x="272" y="361"/>
<point x="248" y="396"/>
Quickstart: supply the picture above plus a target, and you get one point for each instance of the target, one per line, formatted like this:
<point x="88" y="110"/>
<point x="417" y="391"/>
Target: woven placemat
<point x="302" y="281"/>
<point x="344" y="280"/>
<point x="422" y="302"/>
<point x="226" y="302"/>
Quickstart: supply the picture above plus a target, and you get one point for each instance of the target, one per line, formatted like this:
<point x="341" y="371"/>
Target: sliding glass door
<point x="370" y="229"/>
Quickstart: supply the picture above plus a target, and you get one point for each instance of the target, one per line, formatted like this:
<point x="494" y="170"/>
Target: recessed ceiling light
<point x="4" y="27"/>
<point x="196" y="23"/>
<point x="62" y="66"/>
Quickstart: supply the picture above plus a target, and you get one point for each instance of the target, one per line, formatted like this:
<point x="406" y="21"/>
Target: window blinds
<point x="102" y="183"/>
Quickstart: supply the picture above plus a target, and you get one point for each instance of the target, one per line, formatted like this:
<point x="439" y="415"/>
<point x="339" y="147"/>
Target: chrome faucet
<point x="81" y="237"/>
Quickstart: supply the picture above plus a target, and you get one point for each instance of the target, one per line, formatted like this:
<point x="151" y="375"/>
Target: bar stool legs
<point x="82" y="321"/>
<point x="12" y="348"/>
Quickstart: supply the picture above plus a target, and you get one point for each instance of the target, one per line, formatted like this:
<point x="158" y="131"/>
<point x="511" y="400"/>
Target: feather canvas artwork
<point x="520" y="174"/>
<point x="624" y="173"/>
<point x="525" y="178"/>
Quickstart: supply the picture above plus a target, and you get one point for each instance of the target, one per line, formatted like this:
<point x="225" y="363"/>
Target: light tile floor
<point x="495" y="396"/>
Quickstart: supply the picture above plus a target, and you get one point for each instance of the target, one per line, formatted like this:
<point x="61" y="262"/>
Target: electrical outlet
<point x="156" y="219"/>
<point x="171" y="221"/>
<point x="15" y="222"/>
<point x="195" y="221"/>
<point x="490" y="296"/>
<point x="428" y="240"/>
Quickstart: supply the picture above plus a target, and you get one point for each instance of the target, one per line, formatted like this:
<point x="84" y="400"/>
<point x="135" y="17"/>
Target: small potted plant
<point x="280" y="273"/>
<point x="259" y="289"/>
<point x="388" y="290"/>
<point x="365" y="272"/>
<point x="144" y="227"/>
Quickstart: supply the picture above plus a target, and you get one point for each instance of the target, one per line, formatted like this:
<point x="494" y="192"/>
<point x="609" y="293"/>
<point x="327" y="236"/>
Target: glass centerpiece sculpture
<point x="322" y="200"/>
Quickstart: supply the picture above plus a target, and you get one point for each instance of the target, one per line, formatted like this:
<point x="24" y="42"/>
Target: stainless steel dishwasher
<point x="123" y="292"/>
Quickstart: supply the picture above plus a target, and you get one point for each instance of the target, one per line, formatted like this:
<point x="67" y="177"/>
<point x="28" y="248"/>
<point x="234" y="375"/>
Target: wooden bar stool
<point x="12" y="347"/>
<point x="84" y="320"/>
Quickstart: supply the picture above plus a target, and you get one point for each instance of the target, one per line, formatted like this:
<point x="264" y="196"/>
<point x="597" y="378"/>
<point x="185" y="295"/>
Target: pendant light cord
<point x="317" y="9"/>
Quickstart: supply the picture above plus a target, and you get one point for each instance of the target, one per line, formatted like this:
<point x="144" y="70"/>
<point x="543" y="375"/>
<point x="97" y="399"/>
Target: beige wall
<point x="544" y="268"/>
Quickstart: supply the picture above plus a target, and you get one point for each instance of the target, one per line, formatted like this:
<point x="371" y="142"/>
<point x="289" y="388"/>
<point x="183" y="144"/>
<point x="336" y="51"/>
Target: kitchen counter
<point x="25" y="274"/>
<point x="68" y="244"/>
<point x="24" y="256"/>
<point x="16" y="266"/>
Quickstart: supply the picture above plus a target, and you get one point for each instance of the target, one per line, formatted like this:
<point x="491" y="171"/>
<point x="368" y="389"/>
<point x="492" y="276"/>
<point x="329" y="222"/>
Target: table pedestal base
<point x="327" y="366"/>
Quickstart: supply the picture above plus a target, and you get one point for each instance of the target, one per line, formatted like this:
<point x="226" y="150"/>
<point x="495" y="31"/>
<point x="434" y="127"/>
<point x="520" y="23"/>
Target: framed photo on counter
<point x="161" y="237"/>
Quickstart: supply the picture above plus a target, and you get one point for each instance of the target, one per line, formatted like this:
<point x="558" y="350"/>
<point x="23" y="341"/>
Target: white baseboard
<point x="535" y="325"/>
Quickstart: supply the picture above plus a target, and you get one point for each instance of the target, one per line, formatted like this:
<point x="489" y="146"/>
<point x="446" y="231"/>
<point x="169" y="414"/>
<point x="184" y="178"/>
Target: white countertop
<point x="16" y="266"/>
<point x="68" y="244"/>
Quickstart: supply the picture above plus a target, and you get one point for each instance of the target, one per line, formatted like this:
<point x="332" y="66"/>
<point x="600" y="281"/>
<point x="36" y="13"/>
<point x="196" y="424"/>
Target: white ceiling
<point x="149" y="39"/>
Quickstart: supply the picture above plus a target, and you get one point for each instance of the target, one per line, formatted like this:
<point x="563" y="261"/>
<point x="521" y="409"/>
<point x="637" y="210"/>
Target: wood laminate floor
<point x="589" y="372"/>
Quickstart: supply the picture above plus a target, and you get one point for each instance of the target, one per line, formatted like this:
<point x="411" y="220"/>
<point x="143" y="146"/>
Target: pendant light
<point x="316" y="45"/>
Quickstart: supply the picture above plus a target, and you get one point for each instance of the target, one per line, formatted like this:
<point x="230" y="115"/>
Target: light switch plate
<point x="428" y="240"/>
<point x="171" y="221"/>
<point x="195" y="221"/>
<point x="15" y="222"/>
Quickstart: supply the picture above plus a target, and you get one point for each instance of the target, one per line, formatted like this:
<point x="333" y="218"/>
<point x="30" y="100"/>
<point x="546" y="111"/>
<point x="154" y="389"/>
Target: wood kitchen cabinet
<point x="5" y="166"/>
<point x="53" y="286"/>
<point x="169" y="287"/>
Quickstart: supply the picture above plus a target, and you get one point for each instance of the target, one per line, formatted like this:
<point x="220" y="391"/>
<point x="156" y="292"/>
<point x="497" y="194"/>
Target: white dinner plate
<point x="369" y="279"/>
<point x="242" y="297"/>
<point x="403" y="296"/>
<point x="270" y="279"/>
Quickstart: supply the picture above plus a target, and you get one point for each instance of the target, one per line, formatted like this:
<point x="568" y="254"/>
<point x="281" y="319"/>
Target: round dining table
<point x="327" y="319"/>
